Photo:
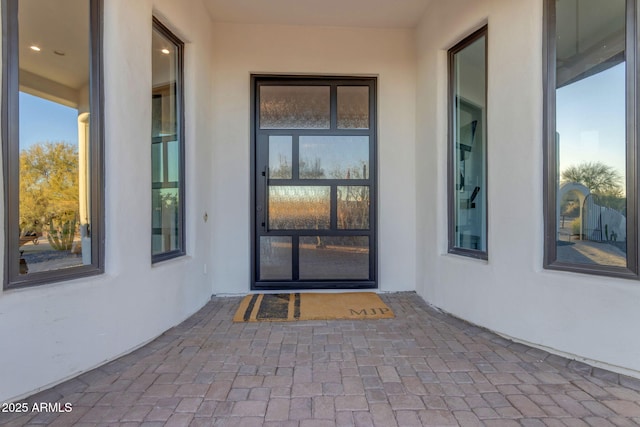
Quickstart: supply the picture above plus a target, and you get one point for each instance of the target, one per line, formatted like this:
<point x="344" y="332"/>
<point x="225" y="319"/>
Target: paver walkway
<point x="422" y="368"/>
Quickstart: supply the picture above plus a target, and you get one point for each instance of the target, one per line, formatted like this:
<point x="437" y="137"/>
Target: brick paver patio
<point x="422" y="368"/>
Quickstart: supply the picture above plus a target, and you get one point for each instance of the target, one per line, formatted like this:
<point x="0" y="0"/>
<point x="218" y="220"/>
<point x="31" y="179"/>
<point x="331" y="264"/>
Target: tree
<point x="48" y="184"/>
<point x="311" y="168"/>
<point x="602" y="180"/>
<point x="596" y="176"/>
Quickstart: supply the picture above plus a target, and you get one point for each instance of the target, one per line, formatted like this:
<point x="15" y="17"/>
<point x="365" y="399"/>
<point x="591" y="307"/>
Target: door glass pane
<point x="299" y="207"/>
<point x="294" y="107"/>
<point x="280" y="157"/>
<point x="330" y="257"/>
<point x="54" y="138"/>
<point x="334" y="157"/>
<point x="353" y="107"/>
<point x="275" y="258"/>
<point x="591" y="133"/>
<point x="353" y="207"/>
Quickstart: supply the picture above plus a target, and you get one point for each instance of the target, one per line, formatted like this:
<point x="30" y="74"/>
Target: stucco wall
<point x="586" y="316"/>
<point x="55" y="331"/>
<point x="240" y="50"/>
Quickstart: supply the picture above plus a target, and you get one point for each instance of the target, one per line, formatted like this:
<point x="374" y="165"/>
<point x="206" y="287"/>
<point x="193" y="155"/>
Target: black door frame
<point x="258" y="180"/>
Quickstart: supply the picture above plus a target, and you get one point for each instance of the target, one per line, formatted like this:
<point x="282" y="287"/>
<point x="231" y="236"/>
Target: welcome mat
<point x="311" y="306"/>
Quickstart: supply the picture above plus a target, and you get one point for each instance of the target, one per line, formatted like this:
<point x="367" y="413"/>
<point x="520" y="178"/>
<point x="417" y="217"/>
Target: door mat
<point x="311" y="306"/>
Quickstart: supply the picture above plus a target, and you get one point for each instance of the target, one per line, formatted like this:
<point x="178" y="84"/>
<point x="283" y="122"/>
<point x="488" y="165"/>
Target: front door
<point x="314" y="162"/>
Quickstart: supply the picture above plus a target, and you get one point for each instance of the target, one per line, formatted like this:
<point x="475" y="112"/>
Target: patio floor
<point x="422" y="368"/>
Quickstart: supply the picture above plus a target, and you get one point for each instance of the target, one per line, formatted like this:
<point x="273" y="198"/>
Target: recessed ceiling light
<point x="35" y="48"/>
<point x="165" y="51"/>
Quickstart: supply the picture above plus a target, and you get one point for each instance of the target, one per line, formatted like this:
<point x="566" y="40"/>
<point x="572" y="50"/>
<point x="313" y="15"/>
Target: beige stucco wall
<point x="239" y="51"/>
<point x="587" y="317"/>
<point x="55" y="331"/>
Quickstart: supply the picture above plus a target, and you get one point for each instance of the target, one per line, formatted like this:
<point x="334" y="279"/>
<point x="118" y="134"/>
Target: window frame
<point x="11" y="152"/>
<point x="550" y="158"/>
<point x="157" y="25"/>
<point x="451" y="181"/>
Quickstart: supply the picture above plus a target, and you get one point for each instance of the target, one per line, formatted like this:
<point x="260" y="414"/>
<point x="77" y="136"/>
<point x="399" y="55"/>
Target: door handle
<point x="265" y="174"/>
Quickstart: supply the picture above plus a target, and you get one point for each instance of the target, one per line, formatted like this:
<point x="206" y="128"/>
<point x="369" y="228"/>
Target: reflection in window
<point x="280" y="157"/>
<point x="294" y="107"/>
<point x="468" y="232"/>
<point x="167" y="239"/>
<point x="353" y="107"/>
<point x="334" y="257"/>
<point x="49" y="190"/>
<point x="275" y="258"/>
<point x="298" y="207"/>
<point x="353" y="207"/>
<point x="590" y="133"/>
<point x="334" y="157"/>
<point x="52" y="211"/>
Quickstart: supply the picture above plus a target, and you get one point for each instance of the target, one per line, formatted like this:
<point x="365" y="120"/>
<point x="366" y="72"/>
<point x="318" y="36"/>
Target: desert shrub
<point x="61" y="235"/>
<point x="575" y="226"/>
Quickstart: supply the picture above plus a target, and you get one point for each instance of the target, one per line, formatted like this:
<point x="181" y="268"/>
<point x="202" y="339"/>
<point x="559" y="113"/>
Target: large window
<point x="590" y="119"/>
<point x="468" y="146"/>
<point x="52" y="140"/>
<point x="167" y="145"/>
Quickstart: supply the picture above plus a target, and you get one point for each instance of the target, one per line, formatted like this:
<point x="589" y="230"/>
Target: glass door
<point x="314" y="183"/>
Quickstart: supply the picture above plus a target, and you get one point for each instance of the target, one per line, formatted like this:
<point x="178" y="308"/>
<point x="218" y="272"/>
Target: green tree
<point x="602" y="180"/>
<point x="48" y="184"/>
<point x="596" y="176"/>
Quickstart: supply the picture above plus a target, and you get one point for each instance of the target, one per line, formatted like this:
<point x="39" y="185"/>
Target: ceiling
<point x="590" y="37"/>
<point x="61" y="26"/>
<point x="333" y="13"/>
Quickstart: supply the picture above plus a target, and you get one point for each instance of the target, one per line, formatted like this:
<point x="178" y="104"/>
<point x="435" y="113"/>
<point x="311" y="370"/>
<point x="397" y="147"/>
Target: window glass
<point x="280" y="157"/>
<point x="334" y="157"/>
<point x="54" y="155"/>
<point x="353" y="107"/>
<point x="590" y="133"/>
<point x="166" y="145"/>
<point x="299" y="207"/>
<point x="275" y="259"/>
<point x="294" y="107"/>
<point x="353" y="207"/>
<point x="334" y="257"/>
<point x="468" y="194"/>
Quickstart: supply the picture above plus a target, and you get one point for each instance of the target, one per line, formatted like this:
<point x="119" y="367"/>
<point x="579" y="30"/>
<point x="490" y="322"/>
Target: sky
<point x="337" y="153"/>
<point x="591" y="120"/>
<point x="42" y="120"/>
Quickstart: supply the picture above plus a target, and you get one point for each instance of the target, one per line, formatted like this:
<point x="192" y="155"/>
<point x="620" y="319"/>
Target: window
<point x="590" y="131"/>
<point x="468" y="146"/>
<point x="52" y="140"/>
<point x="167" y="145"/>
